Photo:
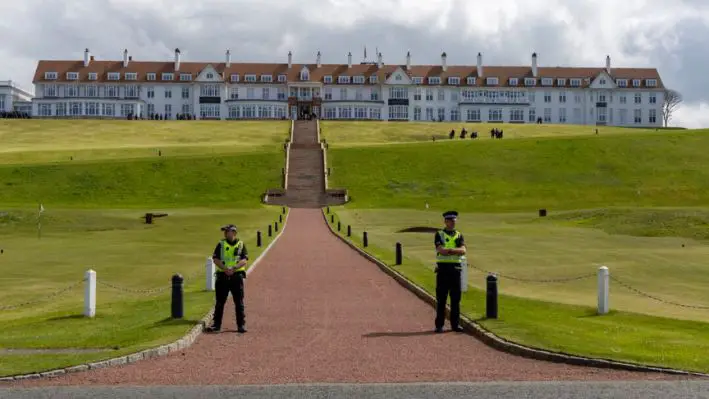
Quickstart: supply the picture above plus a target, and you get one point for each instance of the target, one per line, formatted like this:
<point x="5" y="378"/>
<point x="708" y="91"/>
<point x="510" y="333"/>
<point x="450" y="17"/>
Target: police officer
<point x="230" y="258"/>
<point x="450" y="248"/>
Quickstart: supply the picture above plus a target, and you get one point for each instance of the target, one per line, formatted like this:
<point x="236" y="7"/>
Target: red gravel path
<point x="319" y="312"/>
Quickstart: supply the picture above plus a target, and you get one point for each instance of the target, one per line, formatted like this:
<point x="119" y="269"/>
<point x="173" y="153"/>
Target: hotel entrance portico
<point x="304" y="100"/>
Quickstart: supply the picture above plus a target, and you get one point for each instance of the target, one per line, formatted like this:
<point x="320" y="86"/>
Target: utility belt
<point x="240" y="273"/>
<point x="449" y="266"/>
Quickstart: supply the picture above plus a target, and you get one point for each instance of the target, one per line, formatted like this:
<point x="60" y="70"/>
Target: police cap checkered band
<point x="450" y="215"/>
<point x="229" y="227"/>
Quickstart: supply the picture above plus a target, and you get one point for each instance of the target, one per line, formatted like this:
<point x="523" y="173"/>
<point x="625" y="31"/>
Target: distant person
<point x="450" y="248"/>
<point x="452" y="134"/>
<point x="230" y="257"/>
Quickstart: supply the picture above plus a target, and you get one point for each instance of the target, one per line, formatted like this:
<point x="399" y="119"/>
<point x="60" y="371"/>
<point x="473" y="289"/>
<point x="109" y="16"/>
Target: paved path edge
<point x="162" y="350"/>
<point x="500" y="343"/>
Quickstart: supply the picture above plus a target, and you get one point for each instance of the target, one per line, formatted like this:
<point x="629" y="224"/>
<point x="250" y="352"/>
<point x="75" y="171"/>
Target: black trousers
<point x="448" y="283"/>
<point x="222" y="287"/>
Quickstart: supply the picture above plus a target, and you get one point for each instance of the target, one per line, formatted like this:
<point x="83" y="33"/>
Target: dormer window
<point x="417" y="80"/>
<point x="131" y="76"/>
<point x="304" y="75"/>
<point x="267" y="78"/>
<point x="492" y="81"/>
<point x="151" y="76"/>
<point x="434" y="80"/>
<point x="168" y="76"/>
<point x="282" y="78"/>
<point x="547" y="81"/>
<point x="328" y="79"/>
<point x="93" y="76"/>
<point x="471" y="80"/>
<point x="575" y="82"/>
<point x="636" y="82"/>
<point x="651" y="82"/>
<point x="343" y="79"/>
<point x="373" y="79"/>
<point x="358" y="80"/>
<point x="234" y="77"/>
<point x="50" y="75"/>
<point x="514" y="81"/>
<point x="453" y="80"/>
<point x="72" y="76"/>
<point x="561" y="82"/>
<point x="250" y="78"/>
<point x="114" y="76"/>
<point x="185" y="77"/>
<point x="530" y="81"/>
<point x="621" y="82"/>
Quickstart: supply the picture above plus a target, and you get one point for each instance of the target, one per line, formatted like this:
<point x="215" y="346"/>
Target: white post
<point x="603" y="290"/>
<point x="210" y="274"/>
<point x="464" y="275"/>
<point x="90" y="294"/>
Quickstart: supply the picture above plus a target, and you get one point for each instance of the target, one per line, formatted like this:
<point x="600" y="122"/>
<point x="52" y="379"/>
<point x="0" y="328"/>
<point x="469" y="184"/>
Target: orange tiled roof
<point x="503" y="73"/>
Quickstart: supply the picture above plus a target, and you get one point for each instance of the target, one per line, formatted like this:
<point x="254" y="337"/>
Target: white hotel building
<point x="14" y="98"/>
<point x="598" y="95"/>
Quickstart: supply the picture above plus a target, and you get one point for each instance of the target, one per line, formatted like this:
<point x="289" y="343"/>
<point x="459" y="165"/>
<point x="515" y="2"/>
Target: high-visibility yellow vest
<point x="230" y="254"/>
<point x="448" y="243"/>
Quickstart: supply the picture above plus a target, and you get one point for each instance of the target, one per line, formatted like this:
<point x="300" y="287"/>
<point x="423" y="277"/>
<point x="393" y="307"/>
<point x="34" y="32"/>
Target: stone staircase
<point x="306" y="186"/>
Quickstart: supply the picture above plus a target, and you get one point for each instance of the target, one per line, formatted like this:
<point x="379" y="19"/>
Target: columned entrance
<point x="304" y="101"/>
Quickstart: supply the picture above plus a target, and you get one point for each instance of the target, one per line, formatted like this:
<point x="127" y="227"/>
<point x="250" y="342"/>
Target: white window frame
<point x="267" y="78"/>
<point x="234" y="77"/>
<point x="514" y="81"/>
<point x="471" y="80"/>
<point x="547" y="82"/>
<point x="575" y="82"/>
<point x="417" y="80"/>
<point x="72" y="76"/>
<point x="250" y="78"/>
<point x="358" y="80"/>
<point x="282" y="78"/>
<point x="453" y="80"/>
<point x="93" y="76"/>
<point x="114" y="76"/>
<point x="492" y="81"/>
<point x="651" y="82"/>
<point x="185" y="77"/>
<point x="327" y="79"/>
<point x="50" y="76"/>
<point x="373" y="79"/>
<point x="343" y="79"/>
<point x="152" y="76"/>
<point x="561" y="82"/>
<point x="621" y="82"/>
<point x="167" y="76"/>
<point x="131" y="76"/>
<point x="434" y="80"/>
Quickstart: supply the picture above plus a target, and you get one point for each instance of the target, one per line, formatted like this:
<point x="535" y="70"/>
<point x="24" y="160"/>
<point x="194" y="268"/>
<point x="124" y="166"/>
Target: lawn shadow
<point x="169" y="321"/>
<point x="69" y="317"/>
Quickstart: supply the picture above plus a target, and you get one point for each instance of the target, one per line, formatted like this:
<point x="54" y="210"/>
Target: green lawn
<point x="92" y="219"/>
<point x="636" y="202"/>
<point x="350" y="134"/>
<point x="43" y="141"/>
<point x="658" y="169"/>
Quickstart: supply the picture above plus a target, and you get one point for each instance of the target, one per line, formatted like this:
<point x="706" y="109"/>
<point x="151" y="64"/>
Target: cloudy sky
<point x="672" y="35"/>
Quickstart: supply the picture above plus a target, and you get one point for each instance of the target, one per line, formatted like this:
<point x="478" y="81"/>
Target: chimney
<point x="92" y="58"/>
<point x="319" y="59"/>
<point x="228" y="58"/>
<point x="87" y="57"/>
<point x="125" y="58"/>
<point x="349" y="60"/>
<point x="480" y="65"/>
<point x="408" y="60"/>
<point x="535" y="71"/>
<point x="608" y="64"/>
<point x="380" y="62"/>
<point x="290" y="59"/>
<point x="443" y="62"/>
<point x="130" y="58"/>
<point x="177" y="59"/>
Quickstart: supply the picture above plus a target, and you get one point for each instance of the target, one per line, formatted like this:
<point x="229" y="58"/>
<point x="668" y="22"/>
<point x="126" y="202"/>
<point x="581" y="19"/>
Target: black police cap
<point x="450" y="215"/>
<point x="229" y="227"/>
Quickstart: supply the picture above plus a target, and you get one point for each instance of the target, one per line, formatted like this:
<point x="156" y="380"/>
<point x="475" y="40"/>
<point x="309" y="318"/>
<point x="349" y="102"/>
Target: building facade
<point x="14" y="98"/>
<point x="353" y="91"/>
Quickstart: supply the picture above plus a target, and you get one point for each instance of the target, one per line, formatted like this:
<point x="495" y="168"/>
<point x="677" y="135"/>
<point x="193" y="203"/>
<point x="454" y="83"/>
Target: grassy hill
<point x="641" y="169"/>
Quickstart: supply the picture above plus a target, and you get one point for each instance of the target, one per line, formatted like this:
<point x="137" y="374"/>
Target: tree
<point x="670" y="104"/>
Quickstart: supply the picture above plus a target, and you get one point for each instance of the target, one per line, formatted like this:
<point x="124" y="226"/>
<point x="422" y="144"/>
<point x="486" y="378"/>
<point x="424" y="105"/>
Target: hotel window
<point x="492" y="81"/>
<point x="343" y="79"/>
<point x="358" y="79"/>
<point x="514" y="81"/>
<point x="93" y="76"/>
<point x="114" y="76"/>
<point x="50" y="75"/>
<point x="373" y="79"/>
<point x="112" y="91"/>
<point x="453" y="80"/>
<point x="168" y="93"/>
<point x="209" y="90"/>
<point x="530" y="81"/>
<point x="576" y="82"/>
<point x="151" y="76"/>
<point x="267" y="78"/>
<point x="471" y="80"/>
<point x="282" y="78"/>
<point x="636" y="82"/>
<point x="72" y="91"/>
<point x="234" y="77"/>
<point x="132" y="91"/>
<point x="250" y="78"/>
<point x="429" y="94"/>
<point x="561" y="82"/>
<point x="417" y="80"/>
<point x="399" y="93"/>
<point x="72" y="76"/>
<point x="304" y="75"/>
<point x="168" y="76"/>
<point x="547" y="81"/>
<point x="92" y="91"/>
<point x="234" y="93"/>
<point x="622" y="82"/>
<point x="185" y="77"/>
<point x="374" y="95"/>
<point x="651" y="82"/>
<point x="327" y="79"/>
<point x="131" y="76"/>
<point x="434" y="80"/>
<point x="185" y="92"/>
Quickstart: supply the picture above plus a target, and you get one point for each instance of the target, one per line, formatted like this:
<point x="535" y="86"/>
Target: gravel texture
<point x="317" y="311"/>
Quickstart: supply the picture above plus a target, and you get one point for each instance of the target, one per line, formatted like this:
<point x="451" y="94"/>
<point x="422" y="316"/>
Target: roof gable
<point x="602" y="81"/>
<point x="398" y="77"/>
<point x="209" y="74"/>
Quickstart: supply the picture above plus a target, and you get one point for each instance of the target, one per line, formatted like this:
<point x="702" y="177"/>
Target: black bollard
<point x="338" y="225"/>
<point x="280" y="218"/>
<point x="270" y="232"/>
<point x="491" y="297"/>
<point x="365" y="239"/>
<point x="327" y="210"/>
<point x="349" y="231"/>
<point x="258" y="239"/>
<point x="332" y="218"/>
<point x="398" y="253"/>
<point x="283" y="210"/>
<point x="276" y="226"/>
<point x="177" y="308"/>
<point x="148" y="218"/>
<point x="542" y="213"/>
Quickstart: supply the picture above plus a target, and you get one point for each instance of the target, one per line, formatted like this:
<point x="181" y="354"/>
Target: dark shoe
<point x="439" y="330"/>
<point x="212" y="329"/>
<point x="457" y="329"/>
<point x="242" y="329"/>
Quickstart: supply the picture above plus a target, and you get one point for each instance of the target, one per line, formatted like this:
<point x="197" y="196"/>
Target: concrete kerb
<point x="290" y="142"/>
<point x="502" y="344"/>
<point x="163" y="350"/>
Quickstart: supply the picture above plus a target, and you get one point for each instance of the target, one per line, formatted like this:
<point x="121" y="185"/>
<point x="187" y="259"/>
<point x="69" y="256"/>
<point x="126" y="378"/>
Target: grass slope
<point x="43" y="141"/>
<point x="365" y="133"/>
<point x="560" y="174"/>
